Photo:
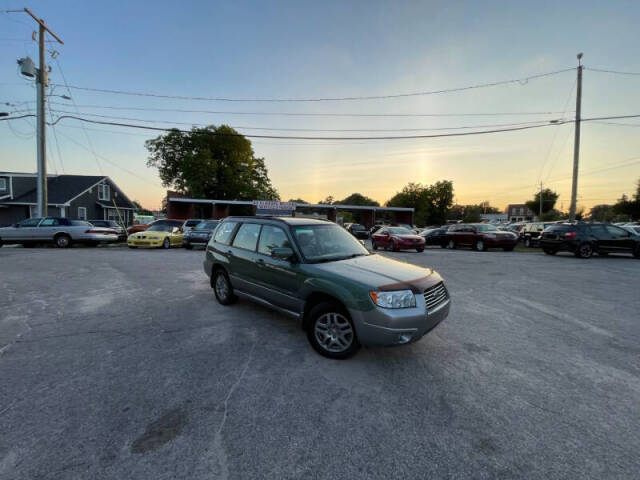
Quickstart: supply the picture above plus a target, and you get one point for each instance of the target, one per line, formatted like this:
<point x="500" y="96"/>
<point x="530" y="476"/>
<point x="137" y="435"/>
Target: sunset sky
<point x="341" y="49"/>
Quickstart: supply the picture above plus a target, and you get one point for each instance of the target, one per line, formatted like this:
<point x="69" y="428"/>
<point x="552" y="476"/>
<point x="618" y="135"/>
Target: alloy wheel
<point x="585" y="250"/>
<point x="451" y="245"/>
<point x="480" y="245"/>
<point x="222" y="287"/>
<point x="166" y="243"/>
<point x="333" y="332"/>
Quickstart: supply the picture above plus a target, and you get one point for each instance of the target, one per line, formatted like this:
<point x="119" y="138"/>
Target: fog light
<point x="404" y="338"/>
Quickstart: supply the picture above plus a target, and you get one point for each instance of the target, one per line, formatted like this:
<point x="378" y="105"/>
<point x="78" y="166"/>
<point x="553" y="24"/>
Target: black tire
<point x="317" y="314"/>
<point x="636" y="252"/>
<point x="394" y="247"/>
<point x="389" y="246"/>
<point x="527" y="242"/>
<point x="62" y="240"/>
<point x="550" y="251"/>
<point x="509" y="249"/>
<point x="419" y="250"/>
<point x="451" y="245"/>
<point x="0" y="243"/>
<point x="166" y="244"/>
<point x="224" y="295"/>
<point x="131" y="246"/>
<point x="374" y="245"/>
<point x="188" y="246"/>
<point x="480" y="246"/>
<point x="584" y="250"/>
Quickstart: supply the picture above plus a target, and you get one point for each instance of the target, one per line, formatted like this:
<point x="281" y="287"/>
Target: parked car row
<point x="585" y="239"/>
<point x="64" y="232"/>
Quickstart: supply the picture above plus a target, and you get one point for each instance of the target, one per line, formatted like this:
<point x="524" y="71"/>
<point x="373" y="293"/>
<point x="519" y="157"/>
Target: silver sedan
<point x="62" y="232"/>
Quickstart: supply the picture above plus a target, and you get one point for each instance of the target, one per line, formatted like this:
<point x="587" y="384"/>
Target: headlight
<point x="398" y="299"/>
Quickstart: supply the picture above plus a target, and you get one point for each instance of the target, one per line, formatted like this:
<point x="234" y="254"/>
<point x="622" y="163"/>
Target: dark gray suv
<point x="317" y="272"/>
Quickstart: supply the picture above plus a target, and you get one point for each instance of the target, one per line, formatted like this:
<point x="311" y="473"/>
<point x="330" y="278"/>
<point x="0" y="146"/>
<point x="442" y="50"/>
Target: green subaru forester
<point x="317" y="272"/>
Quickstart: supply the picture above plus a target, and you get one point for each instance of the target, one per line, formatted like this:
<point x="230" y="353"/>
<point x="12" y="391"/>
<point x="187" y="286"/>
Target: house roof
<point x="60" y="189"/>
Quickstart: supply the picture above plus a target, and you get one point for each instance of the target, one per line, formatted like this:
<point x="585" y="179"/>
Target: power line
<point x="555" y="133"/>
<point x="130" y="172"/>
<point x="618" y="72"/>
<point x="403" y="137"/>
<point x="238" y="127"/>
<point x="521" y="81"/>
<point x="64" y="79"/>
<point x="312" y="114"/>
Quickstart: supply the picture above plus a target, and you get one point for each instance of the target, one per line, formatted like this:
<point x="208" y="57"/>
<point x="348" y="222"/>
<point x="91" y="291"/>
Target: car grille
<point x="435" y="296"/>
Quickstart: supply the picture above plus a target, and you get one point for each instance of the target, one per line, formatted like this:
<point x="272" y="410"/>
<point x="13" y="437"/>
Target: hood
<point x="382" y="273"/>
<point x="408" y="237"/>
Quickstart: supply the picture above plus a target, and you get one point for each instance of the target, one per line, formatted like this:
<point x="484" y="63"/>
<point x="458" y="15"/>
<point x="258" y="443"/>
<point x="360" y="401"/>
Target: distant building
<point x="519" y="212"/>
<point x="494" y="217"/>
<point x="79" y="197"/>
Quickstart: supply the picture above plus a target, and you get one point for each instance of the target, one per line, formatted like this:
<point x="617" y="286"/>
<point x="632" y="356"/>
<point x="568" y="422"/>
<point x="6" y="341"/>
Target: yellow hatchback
<point x="160" y="235"/>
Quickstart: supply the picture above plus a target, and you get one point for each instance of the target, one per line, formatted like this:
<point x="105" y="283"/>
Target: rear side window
<point x="247" y="236"/>
<point x="272" y="237"/>
<point x="224" y="232"/>
<point x="49" y="222"/>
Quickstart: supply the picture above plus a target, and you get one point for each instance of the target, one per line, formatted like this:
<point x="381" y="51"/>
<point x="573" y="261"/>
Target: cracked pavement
<point x="118" y="364"/>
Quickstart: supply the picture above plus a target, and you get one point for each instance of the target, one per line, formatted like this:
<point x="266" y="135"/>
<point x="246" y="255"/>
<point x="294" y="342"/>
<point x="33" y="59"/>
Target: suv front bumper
<point x="386" y="326"/>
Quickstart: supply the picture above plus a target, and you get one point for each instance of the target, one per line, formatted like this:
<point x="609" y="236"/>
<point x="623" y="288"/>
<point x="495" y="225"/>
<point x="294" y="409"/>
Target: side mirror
<point x="282" y="253"/>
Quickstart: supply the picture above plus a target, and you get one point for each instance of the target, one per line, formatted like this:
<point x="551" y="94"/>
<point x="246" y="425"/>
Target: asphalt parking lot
<point x="118" y="363"/>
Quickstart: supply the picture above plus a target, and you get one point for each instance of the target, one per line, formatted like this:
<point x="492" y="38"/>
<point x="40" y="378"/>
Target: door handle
<point x="260" y="262"/>
<point x="230" y="253"/>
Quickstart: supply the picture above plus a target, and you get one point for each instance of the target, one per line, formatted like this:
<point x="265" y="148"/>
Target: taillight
<point x="570" y="235"/>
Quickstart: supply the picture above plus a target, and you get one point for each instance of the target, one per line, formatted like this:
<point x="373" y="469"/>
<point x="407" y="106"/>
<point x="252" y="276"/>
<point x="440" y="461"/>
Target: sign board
<point x="268" y="207"/>
<point x="274" y="205"/>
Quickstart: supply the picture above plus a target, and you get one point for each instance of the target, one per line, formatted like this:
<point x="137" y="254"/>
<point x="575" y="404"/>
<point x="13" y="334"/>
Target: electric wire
<point x="521" y="81"/>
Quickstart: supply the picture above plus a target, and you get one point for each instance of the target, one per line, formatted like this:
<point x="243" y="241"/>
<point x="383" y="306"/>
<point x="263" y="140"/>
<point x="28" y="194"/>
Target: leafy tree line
<point x="625" y="209"/>
<point x="210" y="162"/>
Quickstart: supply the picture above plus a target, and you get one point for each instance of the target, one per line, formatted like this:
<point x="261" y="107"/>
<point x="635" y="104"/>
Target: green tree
<point x="628" y="208"/>
<point x="602" y="213"/>
<point x="326" y="201"/>
<point x="431" y="203"/>
<point x="297" y="200"/>
<point x="210" y="162"/>
<point x="360" y="200"/>
<point x="549" y="199"/>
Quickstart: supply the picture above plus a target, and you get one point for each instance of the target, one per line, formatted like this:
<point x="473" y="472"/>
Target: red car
<point x="397" y="238"/>
<point x="479" y="236"/>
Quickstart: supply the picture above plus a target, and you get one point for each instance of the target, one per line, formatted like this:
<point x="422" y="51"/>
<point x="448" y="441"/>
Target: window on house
<point x="112" y="214"/>
<point x="82" y="213"/>
<point x="3" y="184"/>
<point x="521" y="211"/>
<point x="104" y="192"/>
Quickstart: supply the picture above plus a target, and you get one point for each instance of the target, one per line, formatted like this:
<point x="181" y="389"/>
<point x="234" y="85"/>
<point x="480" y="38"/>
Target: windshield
<point x="486" y="228"/>
<point x="163" y="227"/>
<point x="325" y="243"/>
<point x="400" y="231"/>
<point x="206" y="226"/>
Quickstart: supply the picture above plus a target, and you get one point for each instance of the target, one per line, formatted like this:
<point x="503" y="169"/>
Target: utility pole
<point x="576" y="143"/>
<point x="41" y="81"/>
